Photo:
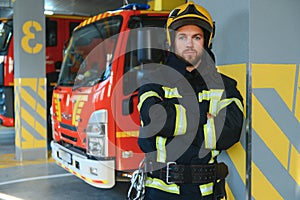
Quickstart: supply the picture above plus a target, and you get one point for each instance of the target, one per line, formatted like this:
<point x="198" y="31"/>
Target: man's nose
<point x="189" y="42"/>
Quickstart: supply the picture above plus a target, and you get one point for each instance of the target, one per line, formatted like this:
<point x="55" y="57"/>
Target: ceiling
<point x="74" y="7"/>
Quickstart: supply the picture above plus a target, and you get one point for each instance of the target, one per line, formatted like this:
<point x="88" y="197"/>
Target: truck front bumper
<point x="98" y="173"/>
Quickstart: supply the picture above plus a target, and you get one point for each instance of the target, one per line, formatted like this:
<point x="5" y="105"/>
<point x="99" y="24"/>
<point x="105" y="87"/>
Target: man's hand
<point x="209" y="116"/>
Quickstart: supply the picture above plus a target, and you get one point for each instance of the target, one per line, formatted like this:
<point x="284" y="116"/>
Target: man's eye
<point x="198" y="38"/>
<point x="181" y="37"/>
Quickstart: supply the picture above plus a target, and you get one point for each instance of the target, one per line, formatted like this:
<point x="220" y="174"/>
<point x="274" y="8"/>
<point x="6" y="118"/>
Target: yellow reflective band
<point x="214" y="153"/>
<point x="171" y="93"/>
<point x="145" y="96"/>
<point x="82" y="177"/>
<point x="127" y="134"/>
<point x="210" y="94"/>
<point x="206" y="189"/>
<point x="225" y="102"/>
<point x="210" y="134"/>
<point x="204" y="95"/>
<point x="161" y="185"/>
<point x="214" y="96"/>
<point x="161" y="149"/>
<point x="56" y="105"/>
<point x="77" y="108"/>
<point x="180" y="125"/>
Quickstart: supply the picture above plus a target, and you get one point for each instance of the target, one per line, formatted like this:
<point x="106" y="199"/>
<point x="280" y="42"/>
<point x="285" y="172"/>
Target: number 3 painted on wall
<point x="28" y="35"/>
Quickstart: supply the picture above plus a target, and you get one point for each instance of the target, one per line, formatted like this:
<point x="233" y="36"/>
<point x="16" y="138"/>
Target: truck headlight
<point x="96" y="131"/>
<point x="96" y="146"/>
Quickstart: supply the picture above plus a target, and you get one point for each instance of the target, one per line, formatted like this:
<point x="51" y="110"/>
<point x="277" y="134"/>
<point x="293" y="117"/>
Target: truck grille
<point x="66" y="126"/>
<point x="69" y="137"/>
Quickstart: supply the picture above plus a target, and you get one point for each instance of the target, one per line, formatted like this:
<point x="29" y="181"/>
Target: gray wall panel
<point x="231" y="42"/>
<point x="275" y="31"/>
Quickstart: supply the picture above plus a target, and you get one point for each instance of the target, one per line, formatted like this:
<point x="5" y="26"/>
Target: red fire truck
<point x="58" y="30"/>
<point x="94" y="108"/>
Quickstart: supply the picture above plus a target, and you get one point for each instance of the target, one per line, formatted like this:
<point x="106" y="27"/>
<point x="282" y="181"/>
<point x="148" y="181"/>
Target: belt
<point x="200" y="174"/>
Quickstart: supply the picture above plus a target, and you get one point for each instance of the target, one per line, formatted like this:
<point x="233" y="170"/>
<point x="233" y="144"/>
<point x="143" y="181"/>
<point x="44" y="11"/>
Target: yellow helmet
<point x="190" y="13"/>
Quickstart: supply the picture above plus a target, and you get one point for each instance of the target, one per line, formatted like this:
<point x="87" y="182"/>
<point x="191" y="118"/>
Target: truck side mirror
<point x="127" y="106"/>
<point x="144" y="45"/>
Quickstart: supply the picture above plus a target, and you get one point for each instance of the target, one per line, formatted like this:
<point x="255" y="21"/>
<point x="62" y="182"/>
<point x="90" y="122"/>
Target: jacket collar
<point x="178" y="64"/>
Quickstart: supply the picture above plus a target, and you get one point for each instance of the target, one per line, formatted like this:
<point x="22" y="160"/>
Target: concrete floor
<point x="36" y="180"/>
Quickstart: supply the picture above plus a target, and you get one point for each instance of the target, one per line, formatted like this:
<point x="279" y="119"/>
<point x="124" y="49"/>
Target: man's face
<point x="189" y="42"/>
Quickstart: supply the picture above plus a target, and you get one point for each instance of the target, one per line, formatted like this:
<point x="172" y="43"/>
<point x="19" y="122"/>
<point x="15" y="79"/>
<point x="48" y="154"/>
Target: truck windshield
<point x="88" y="57"/>
<point x="5" y="35"/>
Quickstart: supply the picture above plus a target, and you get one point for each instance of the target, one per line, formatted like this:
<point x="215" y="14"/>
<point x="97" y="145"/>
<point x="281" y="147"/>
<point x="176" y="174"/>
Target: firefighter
<point x="189" y="113"/>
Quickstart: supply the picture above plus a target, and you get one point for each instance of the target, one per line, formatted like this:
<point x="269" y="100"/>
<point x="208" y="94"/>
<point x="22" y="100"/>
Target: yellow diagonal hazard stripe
<point x="41" y="111"/>
<point x="263" y="187"/>
<point x="297" y="106"/>
<point x="42" y="88"/>
<point x="294" y="165"/>
<point x="238" y="159"/>
<point x="278" y="137"/>
<point x="31" y="142"/>
<point x="31" y="113"/>
<point x="17" y="119"/>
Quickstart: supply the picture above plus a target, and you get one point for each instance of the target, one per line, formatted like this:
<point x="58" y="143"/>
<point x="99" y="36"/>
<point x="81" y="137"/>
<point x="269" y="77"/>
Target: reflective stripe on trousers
<point x="206" y="189"/>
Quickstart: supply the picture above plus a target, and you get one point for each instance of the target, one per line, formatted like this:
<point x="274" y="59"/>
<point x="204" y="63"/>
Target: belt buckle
<point x="167" y="173"/>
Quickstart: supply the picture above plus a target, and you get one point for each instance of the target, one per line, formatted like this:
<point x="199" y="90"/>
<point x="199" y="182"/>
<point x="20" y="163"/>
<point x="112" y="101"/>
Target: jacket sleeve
<point x="225" y="116"/>
<point x="230" y="120"/>
<point x="160" y="116"/>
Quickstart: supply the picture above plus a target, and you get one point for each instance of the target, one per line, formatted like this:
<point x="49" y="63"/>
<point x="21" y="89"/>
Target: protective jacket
<point x="187" y="118"/>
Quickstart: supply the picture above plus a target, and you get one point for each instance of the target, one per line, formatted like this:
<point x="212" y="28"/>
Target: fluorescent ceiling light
<point x="48" y="12"/>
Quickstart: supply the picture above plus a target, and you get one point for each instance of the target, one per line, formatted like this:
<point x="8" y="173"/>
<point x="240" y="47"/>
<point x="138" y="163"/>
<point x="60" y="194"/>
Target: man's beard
<point x="192" y="60"/>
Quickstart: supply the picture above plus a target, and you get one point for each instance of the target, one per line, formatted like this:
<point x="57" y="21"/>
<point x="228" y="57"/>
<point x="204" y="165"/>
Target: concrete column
<point x="30" y="80"/>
